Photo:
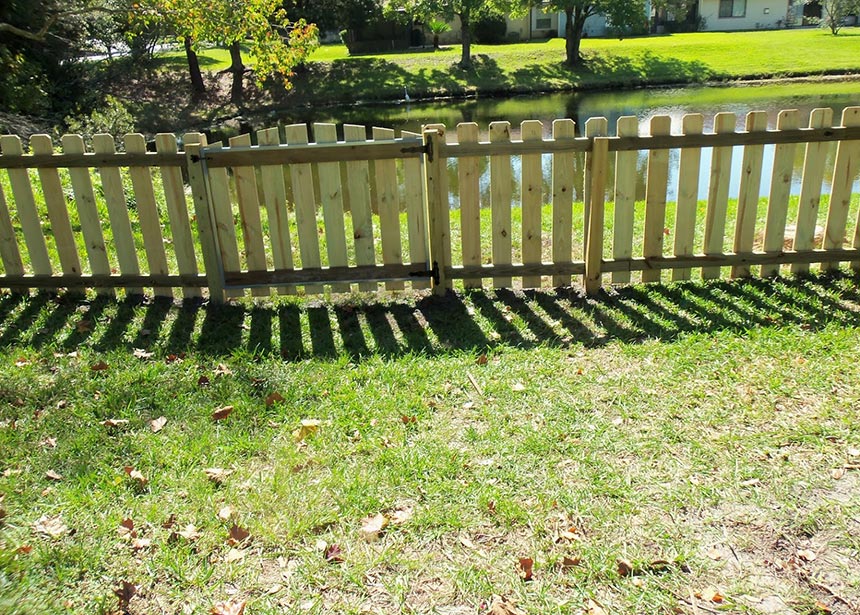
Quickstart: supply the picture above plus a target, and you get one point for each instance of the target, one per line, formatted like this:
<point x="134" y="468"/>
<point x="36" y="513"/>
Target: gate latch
<point x="427" y="273"/>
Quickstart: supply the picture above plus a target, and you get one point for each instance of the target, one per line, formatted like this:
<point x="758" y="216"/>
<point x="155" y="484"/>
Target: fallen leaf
<point x="806" y="555"/>
<point x="503" y="606"/>
<point x="625" y="568"/>
<point x="22" y="362"/>
<point x="306" y="428"/>
<point x="408" y="420"/>
<point x="222" y="370"/>
<point x="525" y="565"/>
<point x="190" y="533"/>
<point x="837" y="473"/>
<point x="203" y="381"/>
<point x="333" y="554"/>
<point x="49" y="443"/>
<point x="638" y="582"/>
<point x="594" y="608"/>
<point x="853" y="452"/>
<point x="125" y="592"/>
<point x="401" y="516"/>
<point x="142" y="353"/>
<point x="372" y="527"/>
<point x="228" y="608"/>
<point x="52" y="527"/>
<point x="24" y="549"/>
<point x="750" y="482"/>
<point x="126" y="528"/>
<point x="50" y="474"/>
<point x="222" y="413"/>
<point x="715" y="554"/>
<point x="481" y="360"/>
<point x="99" y="367"/>
<point x="238" y="535"/>
<point x="234" y="555"/>
<point x="274" y="589"/>
<point x="274" y="398"/>
<point x="226" y="513"/>
<point x="518" y="386"/>
<point x="571" y="533"/>
<point x="84" y="326"/>
<point x="136" y="476"/>
<point x="169" y="522"/>
<point x="570" y="562"/>
<point x="174" y="358"/>
<point x="114" y="422"/>
<point x="158" y="424"/>
<point x="822" y="608"/>
<point x="139" y="544"/>
<point x="217" y="475"/>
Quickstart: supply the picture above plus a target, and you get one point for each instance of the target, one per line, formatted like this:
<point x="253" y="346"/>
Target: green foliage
<point x="834" y="13"/>
<point x="490" y="27"/>
<point x="437" y="26"/>
<point x="112" y="118"/>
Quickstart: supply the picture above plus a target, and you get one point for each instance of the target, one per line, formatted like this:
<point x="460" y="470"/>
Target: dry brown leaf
<point x="594" y="608"/>
<point x="169" y="522"/>
<point x="373" y="526"/>
<point x="203" y="381"/>
<point x="84" y="326"/>
<point x="217" y="475"/>
<point x="228" y="608"/>
<point x="333" y="554"/>
<point x="853" y="452"/>
<point x="222" y="370"/>
<point x="401" y="516"/>
<point x="806" y="555"/>
<point x="518" y="386"/>
<point x="142" y="353"/>
<point x="306" y="428"/>
<point x="114" y="422"/>
<point x="234" y="555"/>
<point x="190" y="533"/>
<point x="481" y="360"/>
<point x="136" y="476"/>
<point x="503" y="606"/>
<point x="238" y="535"/>
<point x="49" y="443"/>
<point x="174" y="358"/>
<point x="99" y="367"/>
<point x="52" y="527"/>
<point x="222" y="413"/>
<point x="51" y="475"/>
<point x="158" y="424"/>
<point x="125" y="592"/>
<point x="408" y="420"/>
<point x="570" y="562"/>
<point x="139" y="544"/>
<point x="24" y="549"/>
<point x="822" y="608"/>
<point x="225" y="513"/>
<point x="126" y="528"/>
<point x="837" y="473"/>
<point x="570" y="534"/>
<point x="526" y="564"/>
<point x="274" y="398"/>
<point x="625" y="568"/>
<point x="710" y="594"/>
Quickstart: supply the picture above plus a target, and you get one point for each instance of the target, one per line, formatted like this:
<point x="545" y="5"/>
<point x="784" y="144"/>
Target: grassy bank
<point x="706" y="435"/>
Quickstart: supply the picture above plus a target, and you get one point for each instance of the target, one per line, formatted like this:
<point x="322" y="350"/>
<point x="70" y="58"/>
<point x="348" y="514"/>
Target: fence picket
<point x="58" y="211"/>
<point x="655" y="197"/>
<point x="331" y="196"/>
<point x="10" y="255"/>
<point x="780" y="190"/>
<point x="562" y="199"/>
<point x="117" y="206"/>
<point x="501" y="193"/>
<point x="810" y="188"/>
<point x="748" y="196"/>
<point x="625" y="198"/>
<point x="275" y="197"/>
<point x="88" y="214"/>
<point x="358" y="181"/>
<point x="718" y="194"/>
<point x="594" y="127"/>
<point x="531" y="192"/>
<point x="468" y="174"/>
<point x="388" y="205"/>
<point x="844" y="173"/>
<point x="416" y="216"/>
<point x="25" y="203"/>
<point x="147" y="212"/>
<point x="594" y="243"/>
<point x="688" y="194"/>
<point x="438" y="207"/>
<point x="223" y="218"/>
<point x="204" y="216"/>
<point x="305" y="204"/>
<point x="177" y="213"/>
<point x="248" y="199"/>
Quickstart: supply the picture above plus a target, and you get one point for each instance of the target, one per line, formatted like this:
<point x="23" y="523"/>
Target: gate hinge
<point x="427" y="273"/>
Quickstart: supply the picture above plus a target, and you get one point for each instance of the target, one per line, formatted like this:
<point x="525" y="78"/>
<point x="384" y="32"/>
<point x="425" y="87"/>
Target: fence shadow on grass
<point x="466" y="322"/>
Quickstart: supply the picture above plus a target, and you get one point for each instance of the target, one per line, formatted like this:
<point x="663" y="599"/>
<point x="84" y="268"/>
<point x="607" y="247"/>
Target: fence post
<point x="205" y="223"/>
<point x="597" y="196"/>
<point x="438" y="223"/>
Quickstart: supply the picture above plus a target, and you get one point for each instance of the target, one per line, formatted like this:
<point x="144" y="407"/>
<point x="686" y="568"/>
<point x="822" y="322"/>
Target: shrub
<point x="490" y="27"/>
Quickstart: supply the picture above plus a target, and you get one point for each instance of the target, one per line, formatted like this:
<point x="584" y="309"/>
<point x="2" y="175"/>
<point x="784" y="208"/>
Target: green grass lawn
<point x="538" y="66"/>
<point x="706" y="434"/>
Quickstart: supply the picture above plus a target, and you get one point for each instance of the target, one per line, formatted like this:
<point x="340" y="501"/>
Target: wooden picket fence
<point x="288" y="213"/>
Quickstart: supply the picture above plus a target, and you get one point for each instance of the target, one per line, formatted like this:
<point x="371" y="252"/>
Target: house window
<point x="543" y="23"/>
<point x="733" y="8"/>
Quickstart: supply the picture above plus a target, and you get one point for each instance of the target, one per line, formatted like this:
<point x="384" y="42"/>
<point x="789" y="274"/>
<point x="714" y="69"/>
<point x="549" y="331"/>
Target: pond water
<point x="642" y="103"/>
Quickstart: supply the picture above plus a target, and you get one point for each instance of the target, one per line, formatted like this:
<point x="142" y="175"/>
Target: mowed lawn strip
<point x="690" y="444"/>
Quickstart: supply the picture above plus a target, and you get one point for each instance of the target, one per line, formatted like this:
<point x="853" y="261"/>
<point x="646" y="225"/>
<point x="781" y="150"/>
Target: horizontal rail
<point x="77" y="161"/>
<point x="623" y="144"/>
<point x="326" y="275"/>
<point x="314" y="152"/>
<point x="720" y="260"/>
<point x="514" y="270"/>
<point x="56" y="282"/>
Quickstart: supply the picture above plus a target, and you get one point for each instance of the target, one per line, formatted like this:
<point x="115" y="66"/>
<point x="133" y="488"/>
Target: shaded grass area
<point x="690" y="429"/>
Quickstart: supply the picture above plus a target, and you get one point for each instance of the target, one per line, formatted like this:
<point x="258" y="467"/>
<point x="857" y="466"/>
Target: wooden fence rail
<point x="302" y="208"/>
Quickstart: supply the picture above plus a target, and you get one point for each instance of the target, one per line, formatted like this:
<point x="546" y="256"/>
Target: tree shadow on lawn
<point x="474" y="321"/>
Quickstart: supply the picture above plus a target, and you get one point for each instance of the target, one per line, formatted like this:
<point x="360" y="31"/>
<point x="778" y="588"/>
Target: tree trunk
<point x="573" y="36"/>
<point x="197" y="86"/>
<point x="237" y="91"/>
<point x="466" y="35"/>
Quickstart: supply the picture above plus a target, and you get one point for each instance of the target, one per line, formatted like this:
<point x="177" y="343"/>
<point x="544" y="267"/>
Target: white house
<point x="725" y="15"/>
